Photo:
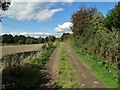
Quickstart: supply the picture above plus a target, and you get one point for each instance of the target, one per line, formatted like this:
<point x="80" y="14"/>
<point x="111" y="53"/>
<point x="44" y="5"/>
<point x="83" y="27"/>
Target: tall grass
<point x="25" y="75"/>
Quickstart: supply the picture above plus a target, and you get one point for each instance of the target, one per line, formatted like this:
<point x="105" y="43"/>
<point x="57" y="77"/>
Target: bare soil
<point x="50" y="72"/>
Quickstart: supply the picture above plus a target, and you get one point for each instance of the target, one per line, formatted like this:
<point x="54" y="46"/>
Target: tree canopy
<point x="113" y="18"/>
<point x="92" y="32"/>
<point x="4" y="5"/>
<point x="21" y="39"/>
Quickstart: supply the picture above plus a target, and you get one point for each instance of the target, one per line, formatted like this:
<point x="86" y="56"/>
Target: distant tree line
<point x="21" y="39"/>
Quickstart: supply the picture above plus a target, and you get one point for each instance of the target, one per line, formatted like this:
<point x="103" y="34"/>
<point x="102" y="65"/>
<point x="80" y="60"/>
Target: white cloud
<point x="46" y="14"/>
<point x="39" y="11"/>
<point x="64" y="28"/>
<point x="32" y="34"/>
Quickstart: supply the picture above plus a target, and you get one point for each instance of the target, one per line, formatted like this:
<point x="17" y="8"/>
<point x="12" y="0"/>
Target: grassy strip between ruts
<point x="66" y="77"/>
<point x="26" y="75"/>
<point x="98" y="69"/>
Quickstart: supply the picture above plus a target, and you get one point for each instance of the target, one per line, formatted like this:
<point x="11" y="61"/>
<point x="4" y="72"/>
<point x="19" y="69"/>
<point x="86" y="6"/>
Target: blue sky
<point x="46" y="18"/>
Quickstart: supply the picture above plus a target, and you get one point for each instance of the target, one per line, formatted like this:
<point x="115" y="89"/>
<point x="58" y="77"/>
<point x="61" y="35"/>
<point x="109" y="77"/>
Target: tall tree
<point x="7" y="38"/>
<point x="113" y="18"/>
<point x="81" y="18"/>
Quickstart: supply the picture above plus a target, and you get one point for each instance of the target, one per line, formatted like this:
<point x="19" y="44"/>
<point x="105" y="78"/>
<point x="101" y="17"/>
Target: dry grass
<point x="7" y="50"/>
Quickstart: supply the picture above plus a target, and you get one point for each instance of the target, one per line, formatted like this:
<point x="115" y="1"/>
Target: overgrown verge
<point x="25" y="75"/>
<point x="66" y="77"/>
<point x="105" y="73"/>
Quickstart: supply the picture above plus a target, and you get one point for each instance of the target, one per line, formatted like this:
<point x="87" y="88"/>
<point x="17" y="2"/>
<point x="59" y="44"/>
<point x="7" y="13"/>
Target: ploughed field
<point x="7" y="50"/>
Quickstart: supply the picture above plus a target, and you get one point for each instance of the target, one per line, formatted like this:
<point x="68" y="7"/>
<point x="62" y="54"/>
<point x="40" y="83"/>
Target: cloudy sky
<point x="44" y="18"/>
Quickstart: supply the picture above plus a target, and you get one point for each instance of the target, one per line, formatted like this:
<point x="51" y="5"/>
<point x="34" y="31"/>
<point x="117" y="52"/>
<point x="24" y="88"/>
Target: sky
<point x="44" y="18"/>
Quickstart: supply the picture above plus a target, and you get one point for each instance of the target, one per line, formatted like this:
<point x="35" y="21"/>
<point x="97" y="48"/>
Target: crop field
<point x="24" y="68"/>
<point x="7" y="50"/>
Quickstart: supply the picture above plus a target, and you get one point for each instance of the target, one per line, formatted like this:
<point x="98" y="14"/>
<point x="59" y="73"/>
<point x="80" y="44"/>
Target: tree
<point x="81" y="18"/>
<point x="4" y="5"/>
<point x="96" y="35"/>
<point x="16" y="39"/>
<point x="31" y="40"/>
<point x="46" y="39"/>
<point x="28" y="40"/>
<point x="97" y="23"/>
<point x="51" y="38"/>
<point x="7" y="39"/>
<point x="41" y="40"/>
<point x="20" y="39"/>
<point x="113" y="18"/>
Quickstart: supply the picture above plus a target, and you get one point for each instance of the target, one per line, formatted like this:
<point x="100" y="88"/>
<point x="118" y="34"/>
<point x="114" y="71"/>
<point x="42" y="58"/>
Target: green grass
<point x="67" y="77"/>
<point x="100" y="71"/>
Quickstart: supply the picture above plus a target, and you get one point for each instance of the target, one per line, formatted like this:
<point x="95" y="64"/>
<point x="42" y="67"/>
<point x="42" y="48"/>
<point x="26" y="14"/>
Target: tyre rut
<point x="87" y="79"/>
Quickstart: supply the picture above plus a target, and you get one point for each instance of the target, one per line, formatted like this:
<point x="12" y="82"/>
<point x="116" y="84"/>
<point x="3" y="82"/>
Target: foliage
<point x="113" y="18"/>
<point x="21" y="39"/>
<point x="7" y="38"/>
<point x="108" y="74"/>
<point x="97" y="35"/>
<point x="81" y="19"/>
<point x="50" y="38"/>
<point x="65" y="36"/>
<point x="4" y="5"/>
<point x="97" y="40"/>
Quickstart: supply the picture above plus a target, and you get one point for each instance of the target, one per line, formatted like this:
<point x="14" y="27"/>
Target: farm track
<point x="7" y="50"/>
<point x="50" y="72"/>
<point x="86" y="78"/>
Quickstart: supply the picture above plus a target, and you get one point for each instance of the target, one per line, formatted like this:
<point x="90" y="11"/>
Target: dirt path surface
<point x="87" y="79"/>
<point x="50" y="74"/>
<point x="52" y="66"/>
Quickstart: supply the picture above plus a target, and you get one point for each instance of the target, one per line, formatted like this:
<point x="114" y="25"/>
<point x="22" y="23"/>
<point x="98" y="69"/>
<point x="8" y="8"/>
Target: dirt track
<point x="87" y="79"/>
<point x="50" y="74"/>
<point x="52" y="66"/>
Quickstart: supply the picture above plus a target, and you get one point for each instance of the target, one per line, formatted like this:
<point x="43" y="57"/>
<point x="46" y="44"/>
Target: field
<point x="6" y="50"/>
<point x="23" y="70"/>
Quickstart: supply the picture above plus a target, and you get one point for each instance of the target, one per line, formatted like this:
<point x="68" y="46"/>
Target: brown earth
<point x="87" y="78"/>
<point x="52" y="66"/>
<point x="50" y="72"/>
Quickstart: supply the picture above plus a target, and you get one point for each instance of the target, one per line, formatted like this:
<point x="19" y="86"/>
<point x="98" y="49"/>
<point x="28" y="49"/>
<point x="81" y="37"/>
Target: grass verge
<point x="66" y="77"/>
<point x="109" y="78"/>
<point x="26" y="75"/>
